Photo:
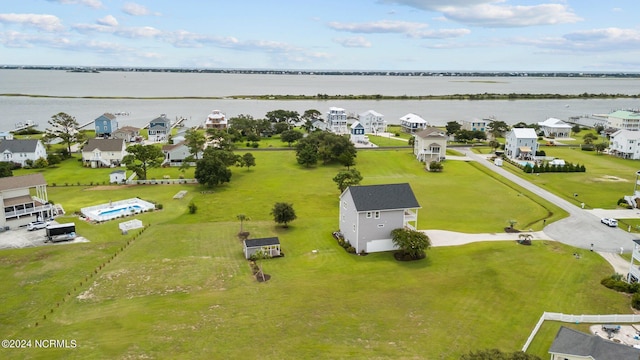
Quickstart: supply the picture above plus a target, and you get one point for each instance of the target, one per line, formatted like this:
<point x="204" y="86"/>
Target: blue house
<point x="159" y="127"/>
<point x="105" y="125"/>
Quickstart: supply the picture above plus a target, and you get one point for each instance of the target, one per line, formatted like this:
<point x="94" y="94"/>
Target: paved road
<point x="582" y="228"/>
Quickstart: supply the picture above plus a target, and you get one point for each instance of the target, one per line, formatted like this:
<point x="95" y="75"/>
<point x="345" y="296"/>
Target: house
<point x="357" y="133"/>
<point x="21" y="151"/>
<point x="318" y="125"/>
<point x="18" y="206"/>
<point x="127" y="133"/>
<point x="624" y="119"/>
<point x="521" y="143"/>
<point x="103" y="152"/>
<point x="216" y="120"/>
<point x="553" y="127"/>
<point x="269" y="245"/>
<point x="337" y="121"/>
<point x="368" y="214"/>
<point x="430" y="145"/>
<point x="175" y="154"/>
<point x="411" y="123"/>
<point x="373" y="122"/>
<point x="105" y="125"/>
<point x="117" y="177"/>
<point x="5" y="135"/>
<point x="634" y="267"/>
<point x="570" y="344"/>
<point x="159" y="128"/>
<point x="475" y="124"/>
<point x="624" y="144"/>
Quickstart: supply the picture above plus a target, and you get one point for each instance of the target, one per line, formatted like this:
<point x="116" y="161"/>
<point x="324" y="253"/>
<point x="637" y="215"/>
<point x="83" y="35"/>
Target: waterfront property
<point x="105" y="125"/>
<point x="372" y="122"/>
<point x="368" y="214"/>
<point x="412" y="123"/>
<point x="20" y="151"/>
<point x="127" y="133"/>
<point x="475" y="125"/>
<point x="216" y="120"/>
<point x="103" y="152"/>
<point x="19" y="207"/>
<point x="116" y="209"/>
<point x="270" y="245"/>
<point x="175" y="154"/>
<point x="521" y="143"/>
<point x="357" y="133"/>
<point x="553" y="127"/>
<point x="624" y="119"/>
<point x="337" y="121"/>
<point x="625" y="144"/>
<point x="159" y="127"/>
<point x="430" y="144"/>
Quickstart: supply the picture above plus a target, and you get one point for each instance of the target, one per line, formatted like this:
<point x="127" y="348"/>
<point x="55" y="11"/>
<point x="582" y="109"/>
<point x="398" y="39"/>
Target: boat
<point x="25" y="124"/>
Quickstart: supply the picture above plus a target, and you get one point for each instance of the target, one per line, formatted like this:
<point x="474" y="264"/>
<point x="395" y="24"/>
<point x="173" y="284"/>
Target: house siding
<point x="349" y="220"/>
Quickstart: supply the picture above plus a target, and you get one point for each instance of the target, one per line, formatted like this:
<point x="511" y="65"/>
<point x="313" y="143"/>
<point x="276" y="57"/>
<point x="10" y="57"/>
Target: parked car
<point x="609" y="222"/>
<point x="37" y="225"/>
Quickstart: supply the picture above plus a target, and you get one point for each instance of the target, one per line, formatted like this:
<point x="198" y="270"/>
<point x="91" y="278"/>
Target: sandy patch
<point x="610" y="178"/>
<point x="108" y="187"/>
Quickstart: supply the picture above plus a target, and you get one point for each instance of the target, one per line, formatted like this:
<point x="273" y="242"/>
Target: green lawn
<point x="182" y="288"/>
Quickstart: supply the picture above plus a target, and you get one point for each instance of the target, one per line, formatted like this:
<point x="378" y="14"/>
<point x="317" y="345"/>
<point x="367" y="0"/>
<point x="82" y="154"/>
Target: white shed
<point x="117" y="177"/>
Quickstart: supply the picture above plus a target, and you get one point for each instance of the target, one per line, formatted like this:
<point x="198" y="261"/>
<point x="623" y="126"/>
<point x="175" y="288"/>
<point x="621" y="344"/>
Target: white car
<point x="609" y="222"/>
<point x="37" y="225"/>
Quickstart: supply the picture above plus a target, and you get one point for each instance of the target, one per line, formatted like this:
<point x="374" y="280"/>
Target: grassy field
<point x="182" y="288"/>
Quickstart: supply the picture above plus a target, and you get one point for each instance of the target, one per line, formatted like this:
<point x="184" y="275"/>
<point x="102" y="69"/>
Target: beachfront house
<point x="175" y="154"/>
<point x="571" y="344"/>
<point x="521" y="144"/>
<point x="271" y="246"/>
<point x="22" y="151"/>
<point x="430" y="145"/>
<point x="18" y="207"/>
<point x="369" y="213"/>
<point x="412" y="123"/>
<point x="216" y="120"/>
<point x="475" y="125"/>
<point x="98" y="153"/>
<point x="624" y="120"/>
<point x="357" y="134"/>
<point x="555" y="128"/>
<point x="337" y="121"/>
<point x="159" y="128"/>
<point x="105" y="125"/>
<point x="127" y="133"/>
<point x="624" y="144"/>
<point x="372" y="122"/>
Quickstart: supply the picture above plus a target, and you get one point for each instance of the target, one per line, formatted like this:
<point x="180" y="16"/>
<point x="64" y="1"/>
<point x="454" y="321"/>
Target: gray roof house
<point x="19" y="151"/>
<point x="271" y="245"/>
<point x="571" y="344"/>
<point x="103" y="152"/>
<point x="369" y="213"/>
<point x="17" y="204"/>
<point x="160" y="126"/>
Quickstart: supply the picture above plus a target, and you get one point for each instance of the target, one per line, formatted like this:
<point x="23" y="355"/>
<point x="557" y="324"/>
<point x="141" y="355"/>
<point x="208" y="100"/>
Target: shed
<point x="270" y="245"/>
<point x="117" y="177"/>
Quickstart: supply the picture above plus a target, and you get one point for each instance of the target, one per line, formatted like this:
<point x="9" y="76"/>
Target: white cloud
<point x="382" y="26"/>
<point x="440" y="34"/>
<point x="137" y="10"/>
<point x="95" y="4"/>
<point x="353" y="42"/>
<point x="40" y="21"/>
<point x="595" y="40"/>
<point x="108" y="20"/>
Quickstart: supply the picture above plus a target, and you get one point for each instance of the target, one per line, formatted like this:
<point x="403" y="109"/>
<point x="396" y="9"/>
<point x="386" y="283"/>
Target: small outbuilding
<point x="117" y="177"/>
<point x="270" y="245"/>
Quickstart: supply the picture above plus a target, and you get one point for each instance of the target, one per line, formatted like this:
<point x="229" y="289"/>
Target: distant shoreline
<point x="476" y="97"/>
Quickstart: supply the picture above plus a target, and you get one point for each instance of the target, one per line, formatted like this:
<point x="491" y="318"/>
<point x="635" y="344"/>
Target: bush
<point x="192" y="207"/>
<point x="351" y="250"/>
<point x="159" y="206"/>
<point x="635" y="301"/>
<point x="617" y="284"/>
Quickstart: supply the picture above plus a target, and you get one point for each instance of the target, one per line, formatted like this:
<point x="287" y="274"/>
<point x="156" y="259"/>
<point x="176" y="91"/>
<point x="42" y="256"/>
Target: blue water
<point x="120" y="209"/>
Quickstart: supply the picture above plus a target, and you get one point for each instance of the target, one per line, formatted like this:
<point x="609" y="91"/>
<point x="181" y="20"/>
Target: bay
<point x="16" y="109"/>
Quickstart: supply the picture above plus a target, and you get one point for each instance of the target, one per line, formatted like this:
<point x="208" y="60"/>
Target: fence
<point x="613" y="318"/>
<point x="163" y="181"/>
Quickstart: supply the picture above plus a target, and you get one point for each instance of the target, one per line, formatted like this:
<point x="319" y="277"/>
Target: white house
<point x="337" y="121"/>
<point x="411" y="123"/>
<point x="553" y="127"/>
<point x="19" y="151"/>
<point x="175" y="154"/>
<point x="103" y="152"/>
<point x="475" y="125"/>
<point x="17" y="204"/>
<point x="521" y="143"/>
<point x="216" y="120"/>
<point x="373" y="122"/>
<point x="624" y="144"/>
<point x="430" y="145"/>
<point x="624" y="119"/>
<point x="357" y="133"/>
<point x="368" y="214"/>
<point x="570" y="344"/>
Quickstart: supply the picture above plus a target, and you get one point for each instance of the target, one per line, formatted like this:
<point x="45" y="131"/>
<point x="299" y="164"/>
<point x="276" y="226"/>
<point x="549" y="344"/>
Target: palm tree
<point x="242" y="218"/>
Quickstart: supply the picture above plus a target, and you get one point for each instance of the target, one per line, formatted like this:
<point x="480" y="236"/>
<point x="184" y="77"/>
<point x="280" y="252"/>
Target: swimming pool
<point x="526" y="163"/>
<point x="116" y="209"/>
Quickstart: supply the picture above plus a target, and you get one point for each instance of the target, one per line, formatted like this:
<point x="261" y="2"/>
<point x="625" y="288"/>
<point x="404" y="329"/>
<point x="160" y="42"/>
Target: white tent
<point x="130" y="225"/>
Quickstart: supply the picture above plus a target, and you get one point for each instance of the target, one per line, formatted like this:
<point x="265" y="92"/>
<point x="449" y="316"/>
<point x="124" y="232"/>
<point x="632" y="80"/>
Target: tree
<point x="346" y="178"/>
<point x="589" y="138"/>
<point x="247" y="160"/>
<point x="194" y="140"/>
<point x="410" y="242"/>
<point x="494" y="145"/>
<point x="576" y="129"/>
<point x="6" y="169"/>
<point x="283" y="213"/>
<point x="497" y="128"/>
<point x="600" y="147"/>
<point x="290" y="136"/>
<point x="65" y="127"/>
<point x="141" y="157"/>
<point x="245" y="124"/>
<point x="453" y="127"/>
<point x="242" y="218"/>
<point x="307" y="154"/>
<point x="213" y="168"/>
<point x="309" y="116"/>
<point x="284" y="116"/>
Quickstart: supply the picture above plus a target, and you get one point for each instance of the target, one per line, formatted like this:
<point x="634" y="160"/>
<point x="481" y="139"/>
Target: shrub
<point x="616" y="283"/>
<point x="635" y="301"/>
<point x="159" y="206"/>
<point x="192" y="207"/>
<point x="351" y="250"/>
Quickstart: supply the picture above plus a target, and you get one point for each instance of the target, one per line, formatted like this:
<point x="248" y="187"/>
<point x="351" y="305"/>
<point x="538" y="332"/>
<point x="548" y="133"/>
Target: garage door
<point x="380" y="245"/>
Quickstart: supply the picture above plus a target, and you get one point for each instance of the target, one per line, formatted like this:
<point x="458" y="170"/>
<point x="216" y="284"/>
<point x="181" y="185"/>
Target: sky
<point x="373" y="35"/>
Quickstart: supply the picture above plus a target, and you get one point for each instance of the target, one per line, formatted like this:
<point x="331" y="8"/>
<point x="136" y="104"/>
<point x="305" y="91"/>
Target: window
<point x="368" y="214"/>
<point x="377" y="214"/>
<point x="344" y="204"/>
<point x="354" y="227"/>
